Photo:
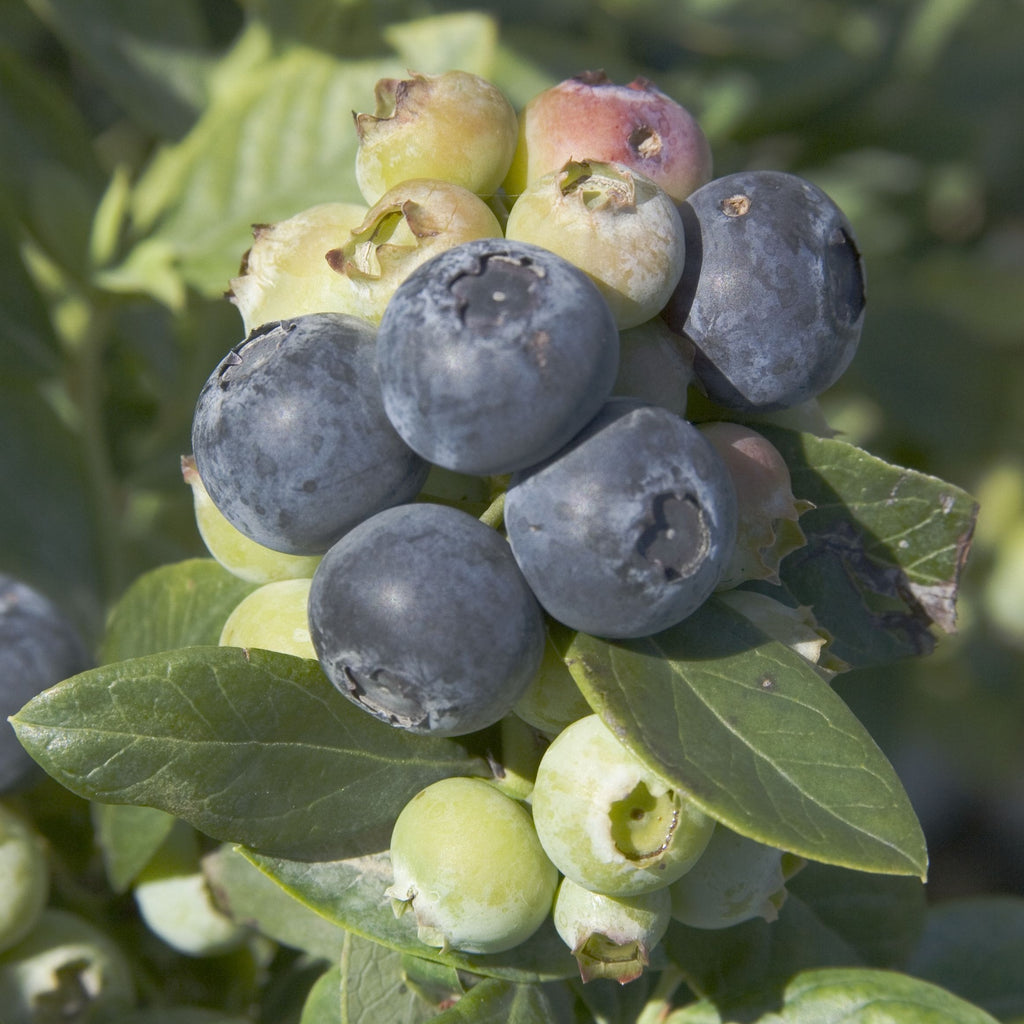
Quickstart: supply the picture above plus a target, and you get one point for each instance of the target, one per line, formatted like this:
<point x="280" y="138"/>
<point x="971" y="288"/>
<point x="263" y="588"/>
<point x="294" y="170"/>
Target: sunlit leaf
<point x="756" y="737"/>
<point x="247" y="746"/>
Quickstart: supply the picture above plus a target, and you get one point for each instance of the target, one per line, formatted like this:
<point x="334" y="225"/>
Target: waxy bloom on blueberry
<point x="609" y="822"/>
<point x="467" y="863"/>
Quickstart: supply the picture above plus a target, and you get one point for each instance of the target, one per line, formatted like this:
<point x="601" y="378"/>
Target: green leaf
<point x="853" y="996"/>
<point x="152" y="58"/>
<point x="510" y="1003"/>
<point x="184" y="604"/>
<point x="885" y="548"/>
<point x="250" y="747"/>
<point x="879" y="916"/>
<point x="323" y="1004"/>
<point x="373" y="986"/>
<point x="350" y="893"/>
<point x="128" y="837"/>
<point x="246" y="894"/>
<point x="975" y="948"/>
<point x="49" y="534"/>
<point x="756" y="737"/>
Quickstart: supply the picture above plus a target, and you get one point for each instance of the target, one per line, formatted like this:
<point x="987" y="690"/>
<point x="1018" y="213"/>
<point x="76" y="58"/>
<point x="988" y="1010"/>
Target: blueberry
<point x="39" y="647"/>
<point x="291" y="439"/>
<point x="421" y="616"/>
<point x="494" y="354"/>
<point x="625" y="531"/>
<point x="772" y="294"/>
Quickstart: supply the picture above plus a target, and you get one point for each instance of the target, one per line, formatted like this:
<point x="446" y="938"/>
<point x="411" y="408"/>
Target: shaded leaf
<point x="323" y="1004"/>
<point x="151" y="57"/>
<point x="497" y="1000"/>
<point x="249" y="747"/>
<point x="350" y="893"/>
<point x="184" y="604"/>
<point x="975" y="948"/>
<point x="756" y="737"/>
<point x="880" y="916"/>
<point x="128" y="837"/>
<point x="373" y="986"/>
<point x="885" y="548"/>
<point x="250" y="897"/>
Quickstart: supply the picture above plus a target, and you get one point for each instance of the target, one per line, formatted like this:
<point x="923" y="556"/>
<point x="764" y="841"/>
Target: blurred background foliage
<point x="140" y="139"/>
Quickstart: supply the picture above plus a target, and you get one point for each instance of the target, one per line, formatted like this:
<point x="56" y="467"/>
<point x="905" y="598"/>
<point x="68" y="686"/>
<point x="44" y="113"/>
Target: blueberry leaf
<point x="247" y="746"/>
<point x="184" y="604"/>
<point x="372" y="985"/>
<point x="350" y="893"/>
<point x="128" y="837"/>
<point x="974" y="947"/>
<point x="885" y="548"/>
<point x="756" y="737"/>
<point x="323" y="1004"/>
<point x="246" y="894"/>
<point x="831" y="995"/>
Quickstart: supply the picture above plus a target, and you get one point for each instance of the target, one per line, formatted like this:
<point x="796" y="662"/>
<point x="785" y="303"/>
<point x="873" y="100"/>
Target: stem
<point x="85" y="386"/>
<point x="494" y="515"/>
<point x="659" y="1005"/>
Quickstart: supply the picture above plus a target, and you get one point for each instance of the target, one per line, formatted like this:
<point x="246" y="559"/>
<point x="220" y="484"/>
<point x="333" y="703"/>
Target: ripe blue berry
<point x="38" y="648"/>
<point x="421" y="616"/>
<point x="625" y="531"/>
<point x="493" y="354"/>
<point x="291" y="439"/>
<point x="772" y="294"/>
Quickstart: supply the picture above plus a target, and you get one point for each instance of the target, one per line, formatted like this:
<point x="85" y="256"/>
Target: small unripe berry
<point x="468" y="864"/>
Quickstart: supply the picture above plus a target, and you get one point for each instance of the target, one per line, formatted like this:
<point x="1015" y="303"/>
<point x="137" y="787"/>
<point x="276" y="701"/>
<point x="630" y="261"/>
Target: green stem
<point x="494" y="514"/>
<point x="660" y="1004"/>
<point x="85" y="387"/>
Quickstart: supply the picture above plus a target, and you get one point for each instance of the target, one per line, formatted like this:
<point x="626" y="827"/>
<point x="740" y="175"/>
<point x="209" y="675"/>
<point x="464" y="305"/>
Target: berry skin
<point x="455" y="127"/>
<point x="285" y="274"/>
<point x="421" y="617"/>
<point x="493" y="354"/>
<point x="736" y="879"/>
<point x="230" y="547"/>
<point x="25" y="873"/>
<point x="624" y="532"/>
<point x="655" y="365"/>
<point x="468" y="863"/>
<point x="617" y="226"/>
<point x="607" y="821"/>
<point x="768" y="527"/>
<point x="772" y="295"/>
<point x="411" y="222"/>
<point x="589" y="117"/>
<point x="272" y="618"/>
<point x="611" y="937"/>
<point x="67" y="968"/>
<point x="39" y="647"/>
<point x="291" y="439"/>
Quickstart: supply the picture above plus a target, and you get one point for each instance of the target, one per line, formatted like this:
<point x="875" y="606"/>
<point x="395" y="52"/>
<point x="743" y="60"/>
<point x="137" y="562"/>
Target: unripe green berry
<point x="468" y="864"/>
<point x="735" y="880"/>
<point x="617" y="226"/>
<point x="241" y="556"/>
<point x="455" y="127"/>
<point x="273" y="618"/>
<point x="609" y="822"/>
<point x="24" y="877"/>
<point x="611" y="937"/>
<point x="65" y="969"/>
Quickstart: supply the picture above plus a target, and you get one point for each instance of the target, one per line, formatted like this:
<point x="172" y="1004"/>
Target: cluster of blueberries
<point x="518" y="360"/>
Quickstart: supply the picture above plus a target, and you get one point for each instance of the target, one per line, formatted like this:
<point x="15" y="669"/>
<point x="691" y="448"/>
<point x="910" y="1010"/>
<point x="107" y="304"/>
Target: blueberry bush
<point x="569" y="732"/>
